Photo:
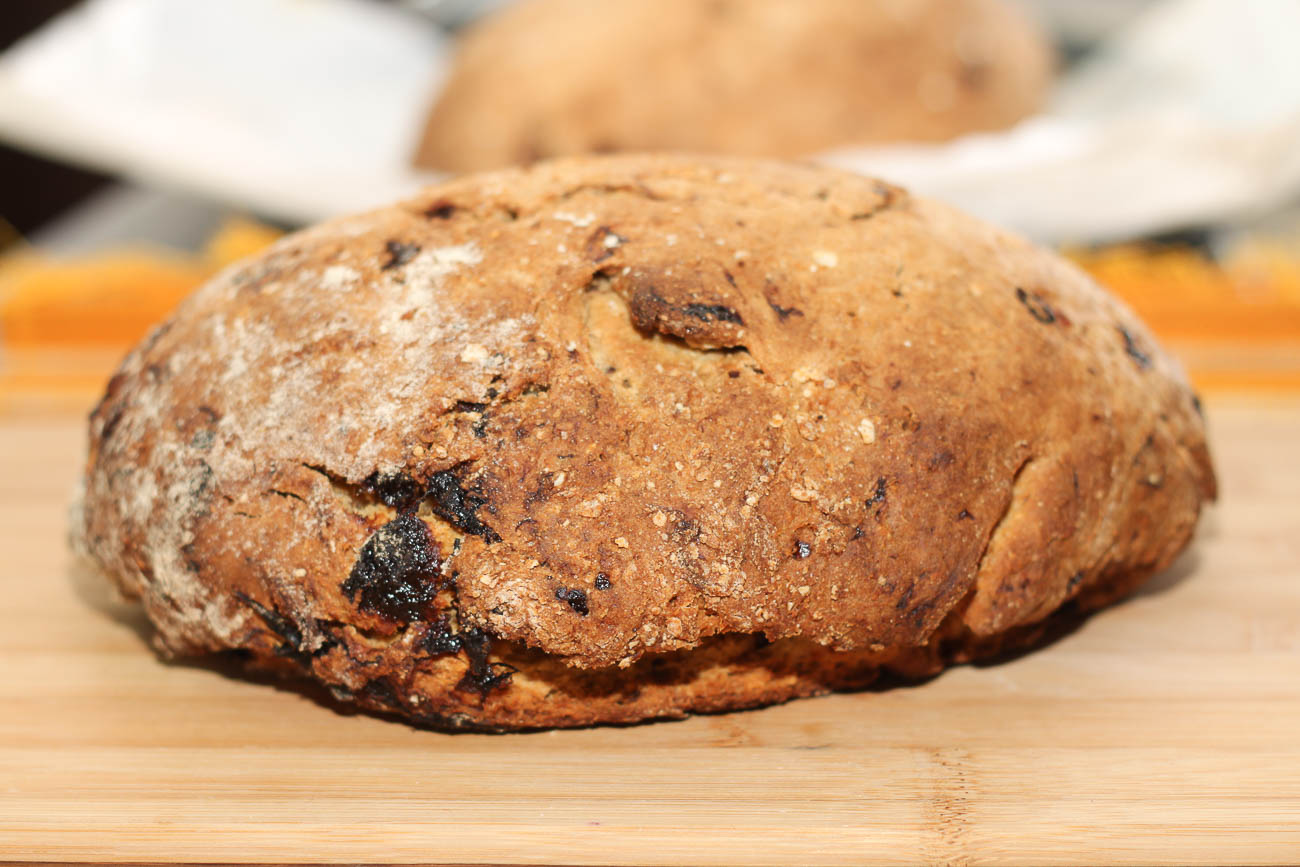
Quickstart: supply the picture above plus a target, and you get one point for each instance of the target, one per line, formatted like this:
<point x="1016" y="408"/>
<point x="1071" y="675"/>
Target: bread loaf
<point x="783" y="78"/>
<point x="612" y="439"/>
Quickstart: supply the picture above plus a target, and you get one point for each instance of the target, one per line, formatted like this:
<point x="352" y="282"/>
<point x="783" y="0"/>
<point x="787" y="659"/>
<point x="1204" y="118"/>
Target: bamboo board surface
<point x="1164" y="730"/>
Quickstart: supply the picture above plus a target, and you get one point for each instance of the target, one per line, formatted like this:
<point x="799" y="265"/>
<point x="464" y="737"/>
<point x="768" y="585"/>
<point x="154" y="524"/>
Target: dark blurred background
<point x="34" y="190"/>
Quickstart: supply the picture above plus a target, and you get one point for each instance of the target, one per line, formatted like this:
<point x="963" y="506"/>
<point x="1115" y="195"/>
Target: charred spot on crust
<point x="468" y="406"/>
<point x="602" y="581"/>
<point x="1075" y="580"/>
<point x="1140" y="358"/>
<point x="399" y="253"/>
<point x="396" y="574"/>
<point x="802" y="550"/>
<point x="1196" y="405"/>
<point x="576" y="598"/>
<point x="964" y="515"/>
<point x="1037" y="307"/>
<point x="457" y="506"/>
<point x="713" y="313"/>
<point x="440" y="210"/>
<point x="878" y="496"/>
<point x="395" y="490"/>
<point x="482" y="676"/>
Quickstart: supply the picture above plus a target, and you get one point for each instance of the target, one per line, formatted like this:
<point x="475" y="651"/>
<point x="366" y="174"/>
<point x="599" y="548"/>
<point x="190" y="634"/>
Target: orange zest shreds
<point x="111" y="299"/>
<point x="1254" y="294"/>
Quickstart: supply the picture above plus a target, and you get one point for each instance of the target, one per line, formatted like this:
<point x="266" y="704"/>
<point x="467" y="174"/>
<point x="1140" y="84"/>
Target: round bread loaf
<point x="620" y="438"/>
<point x="547" y="78"/>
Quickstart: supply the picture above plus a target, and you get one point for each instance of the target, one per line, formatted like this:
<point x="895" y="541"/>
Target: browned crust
<point x="547" y="78"/>
<point x="750" y="398"/>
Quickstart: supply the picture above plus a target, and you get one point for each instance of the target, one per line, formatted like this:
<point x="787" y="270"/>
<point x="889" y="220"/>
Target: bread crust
<point x="506" y="453"/>
<point x="784" y="78"/>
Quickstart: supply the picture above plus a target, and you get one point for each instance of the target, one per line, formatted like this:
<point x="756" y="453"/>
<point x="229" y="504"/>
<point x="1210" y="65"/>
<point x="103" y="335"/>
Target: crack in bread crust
<point x="619" y="450"/>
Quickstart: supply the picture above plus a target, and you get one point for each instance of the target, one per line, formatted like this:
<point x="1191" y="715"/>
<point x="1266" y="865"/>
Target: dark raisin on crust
<point x="399" y="253"/>
<point x="284" y="628"/>
<point x="576" y="598"/>
<point x="1037" y="307"/>
<point x="603" y="243"/>
<point x="712" y="312"/>
<point x="440" y="210"/>
<point x="440" y="639"/>
<point x="482" y="676"/>
<point x="879" y="495"/>
<point x="396" y="573"/>
<point x="458" y="507"/>
<point x="396" y="490"/>
<point x="783" y="313"/>
<point x="1140" y="358"/>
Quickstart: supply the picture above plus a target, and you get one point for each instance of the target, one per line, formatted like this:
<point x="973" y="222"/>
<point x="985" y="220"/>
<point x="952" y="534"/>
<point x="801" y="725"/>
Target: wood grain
<point x="1166" y="730"/>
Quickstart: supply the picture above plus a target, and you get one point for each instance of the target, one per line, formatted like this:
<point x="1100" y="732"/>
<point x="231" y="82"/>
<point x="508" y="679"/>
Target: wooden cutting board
<point x="1164" y="730"/>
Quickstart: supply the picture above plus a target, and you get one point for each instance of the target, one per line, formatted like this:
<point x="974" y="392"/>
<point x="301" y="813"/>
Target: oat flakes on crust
<point x="546" y="78"/>
<point x="611" y="439"/>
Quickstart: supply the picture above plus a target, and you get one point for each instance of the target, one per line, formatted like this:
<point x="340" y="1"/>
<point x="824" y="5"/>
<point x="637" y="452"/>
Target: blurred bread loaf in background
<point x="545" y="78"/>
